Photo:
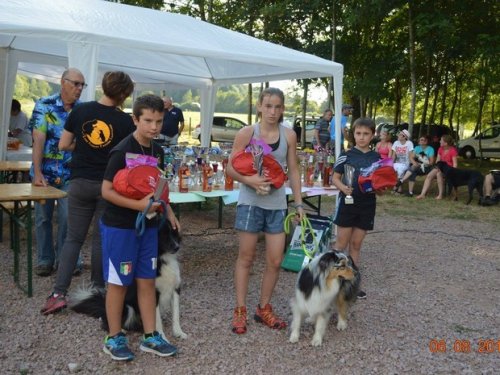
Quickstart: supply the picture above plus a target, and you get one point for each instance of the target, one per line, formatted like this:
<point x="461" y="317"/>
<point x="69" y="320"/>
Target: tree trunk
<point x="413" y="78"/>
<point x="454" y="101"/>
<point x="330" y="99"/>
<point x="210" y="10"/>
<point x="483" y="94"/>
<point x="397" y="101"/>
<point x="250" y="103"/>
<point x="437" y="87"/>
<point x="428" y="84"/>
<point x="304" y="110"/>
<point x="459" y="110"/>
<point x="445" y="94"/>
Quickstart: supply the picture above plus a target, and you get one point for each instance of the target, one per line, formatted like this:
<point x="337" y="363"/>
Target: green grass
<point x="429" y="207"/>
<point x="484" y="166"/>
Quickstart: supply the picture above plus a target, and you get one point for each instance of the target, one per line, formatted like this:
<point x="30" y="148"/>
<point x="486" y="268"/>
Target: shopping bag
<point x="310" y="238"/>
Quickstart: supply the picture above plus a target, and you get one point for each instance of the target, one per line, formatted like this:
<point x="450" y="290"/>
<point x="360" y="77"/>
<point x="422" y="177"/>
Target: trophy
<point x="349" y="175"/>
<point x="258" y="150"/>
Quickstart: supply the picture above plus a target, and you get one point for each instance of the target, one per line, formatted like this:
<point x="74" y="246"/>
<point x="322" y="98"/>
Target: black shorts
<point x="358" y="215"/>
<point x="418" y="172"/>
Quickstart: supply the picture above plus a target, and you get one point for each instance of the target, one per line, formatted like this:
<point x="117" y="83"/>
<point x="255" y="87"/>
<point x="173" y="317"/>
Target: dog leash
<point x="304" y="225"/>
<point x="140" y="221"/>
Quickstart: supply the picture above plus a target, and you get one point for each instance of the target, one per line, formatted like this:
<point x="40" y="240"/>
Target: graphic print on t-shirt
<point x="97" y="133"/>
<point x="402" y="154"/>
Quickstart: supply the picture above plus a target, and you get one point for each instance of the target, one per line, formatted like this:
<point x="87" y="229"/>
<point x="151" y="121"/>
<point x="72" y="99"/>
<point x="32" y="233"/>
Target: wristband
<point x="300" y="205"/>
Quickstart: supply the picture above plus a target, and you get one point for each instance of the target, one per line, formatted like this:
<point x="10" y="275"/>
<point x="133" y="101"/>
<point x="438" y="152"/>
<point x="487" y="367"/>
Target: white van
<point x="490" y="144"/>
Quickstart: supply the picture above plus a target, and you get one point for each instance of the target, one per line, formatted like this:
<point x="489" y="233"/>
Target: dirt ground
<point x="432" y="308"/>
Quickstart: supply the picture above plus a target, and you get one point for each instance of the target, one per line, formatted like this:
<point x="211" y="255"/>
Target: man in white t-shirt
<point x="18" y="124"/>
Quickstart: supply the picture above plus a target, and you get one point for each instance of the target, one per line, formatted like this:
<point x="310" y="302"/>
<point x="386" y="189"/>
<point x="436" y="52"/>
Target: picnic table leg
<point x="177" y="210"/>
<point x="1" y="225"/>
<point x="220" y="213"/>
<point x="15" y="241"/>
<point x="29" y="249"/>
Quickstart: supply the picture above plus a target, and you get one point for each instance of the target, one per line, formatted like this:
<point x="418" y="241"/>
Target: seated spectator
<point x="435" y="143"/>
<point x="18" y="124"/>
<point x="447" y="153"/>
<point x="421" y="159"/>
<point x="491" y="184"/>
<point x="384" y="146"/>
<point x="401" y="154"/>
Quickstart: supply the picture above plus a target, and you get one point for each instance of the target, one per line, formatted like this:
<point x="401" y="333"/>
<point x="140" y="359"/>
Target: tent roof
<point x="154" y="47"/>
<point x="160" y="45"/>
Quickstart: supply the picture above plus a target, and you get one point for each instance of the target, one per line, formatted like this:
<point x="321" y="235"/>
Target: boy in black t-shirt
<point x="354" y="218"/>
<point x="126" y="255"/>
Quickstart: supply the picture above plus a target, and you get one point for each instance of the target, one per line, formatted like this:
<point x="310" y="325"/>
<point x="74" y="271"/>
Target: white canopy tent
<point x="154" y="47"/>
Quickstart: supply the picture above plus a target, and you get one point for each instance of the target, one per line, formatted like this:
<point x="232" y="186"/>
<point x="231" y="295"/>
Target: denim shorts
<point x="255" y="219"/>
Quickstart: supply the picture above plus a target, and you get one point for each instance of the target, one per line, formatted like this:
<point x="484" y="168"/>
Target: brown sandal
<point x="240" y="320"/>
<point x="266" y="316"/>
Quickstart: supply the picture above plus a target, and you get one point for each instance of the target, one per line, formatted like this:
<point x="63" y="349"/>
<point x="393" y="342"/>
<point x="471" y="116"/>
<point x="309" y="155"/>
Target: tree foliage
<point x="455" y="48"/>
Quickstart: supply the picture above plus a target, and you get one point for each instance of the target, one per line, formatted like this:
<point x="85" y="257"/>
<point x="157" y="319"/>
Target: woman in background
<point x="384" y="146"/>
<point x="448" y="153"/>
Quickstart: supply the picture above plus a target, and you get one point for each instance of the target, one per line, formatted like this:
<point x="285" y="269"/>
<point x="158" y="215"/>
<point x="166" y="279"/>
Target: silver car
<point x="224" y="129"/>
<point x="490" y="143"/>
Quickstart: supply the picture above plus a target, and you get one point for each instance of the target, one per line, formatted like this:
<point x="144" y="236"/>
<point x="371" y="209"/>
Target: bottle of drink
<point x="309" y="180"/>
<point x="328" y="171"/>
<point x="183" y="176"/>
<point x="208" y="176"/>
<point x="228" y="181"/>
<point x="326" y="175"/>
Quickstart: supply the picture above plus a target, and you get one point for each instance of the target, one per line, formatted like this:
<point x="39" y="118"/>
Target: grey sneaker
<point x="44" y="270"/>
<point x="156" y="344"/>
<point x="117" y="347"/>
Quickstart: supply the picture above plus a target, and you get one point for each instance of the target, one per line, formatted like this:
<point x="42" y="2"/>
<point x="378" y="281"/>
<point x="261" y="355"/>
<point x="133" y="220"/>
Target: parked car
<point x="224" y="129"/>
<point x="490" y="144"/>
<point x="310" y="124"/>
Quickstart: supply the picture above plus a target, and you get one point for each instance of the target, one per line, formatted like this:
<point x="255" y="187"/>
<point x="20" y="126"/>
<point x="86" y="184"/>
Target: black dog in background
<point x="461" y="177"/>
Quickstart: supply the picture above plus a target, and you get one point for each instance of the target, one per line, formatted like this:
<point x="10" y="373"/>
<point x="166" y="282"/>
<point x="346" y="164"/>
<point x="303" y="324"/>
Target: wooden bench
<point x="8" y="207"/>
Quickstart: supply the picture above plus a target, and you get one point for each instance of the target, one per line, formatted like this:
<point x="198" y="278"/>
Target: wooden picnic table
<point x="10" y="169"/>
<point x="16" y="200"/>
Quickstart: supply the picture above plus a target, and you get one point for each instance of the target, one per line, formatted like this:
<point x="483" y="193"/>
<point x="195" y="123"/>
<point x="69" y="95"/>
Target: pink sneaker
<point x="55" y="303"/>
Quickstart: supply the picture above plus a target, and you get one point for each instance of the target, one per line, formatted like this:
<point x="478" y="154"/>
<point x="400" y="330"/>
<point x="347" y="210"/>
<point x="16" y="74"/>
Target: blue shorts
<point x="125" y="256"/>
<point x="255" y="219"/>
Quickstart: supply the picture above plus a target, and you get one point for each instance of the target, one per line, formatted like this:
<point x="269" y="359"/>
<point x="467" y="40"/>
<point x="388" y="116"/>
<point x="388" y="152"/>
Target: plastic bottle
<point x="183" y="176"/>
<point x="228" y="181"/>
<point x="309" y="180"/>
<point x="208" y="176"/>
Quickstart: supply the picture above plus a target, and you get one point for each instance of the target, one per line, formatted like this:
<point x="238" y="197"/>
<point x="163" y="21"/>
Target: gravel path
<point x="430" y="285"/>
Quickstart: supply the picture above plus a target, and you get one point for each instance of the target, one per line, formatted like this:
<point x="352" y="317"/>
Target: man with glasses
<point x="422" y="160"/>
<point x="51" y="166"/>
